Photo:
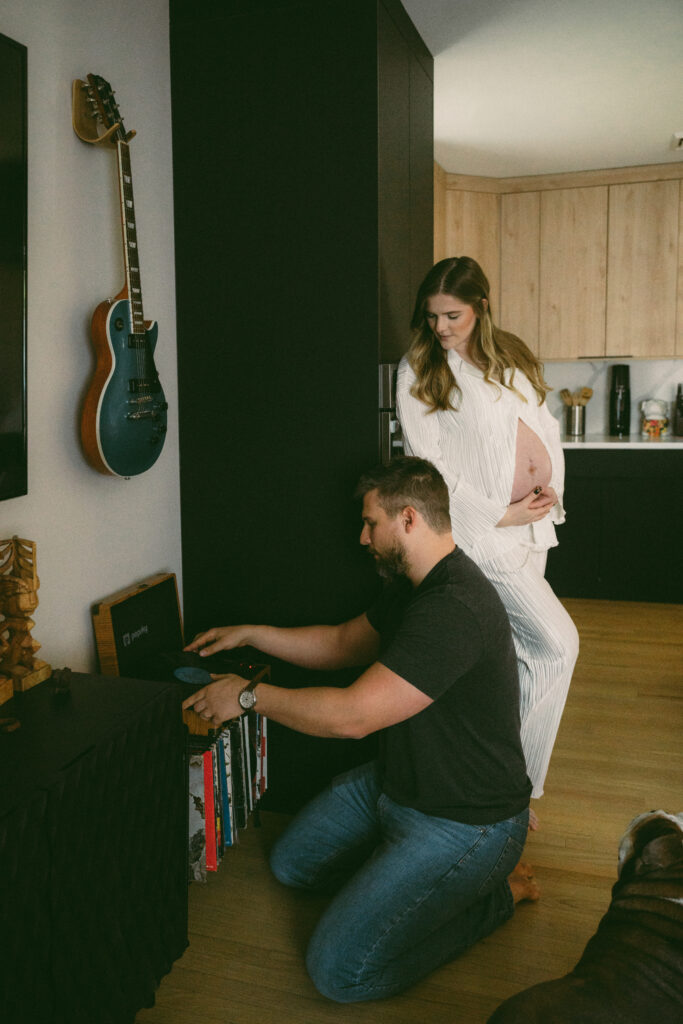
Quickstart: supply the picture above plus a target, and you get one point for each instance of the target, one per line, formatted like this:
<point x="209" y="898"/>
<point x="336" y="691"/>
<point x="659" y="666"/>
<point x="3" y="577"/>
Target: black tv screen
<point x="13" y="179"/>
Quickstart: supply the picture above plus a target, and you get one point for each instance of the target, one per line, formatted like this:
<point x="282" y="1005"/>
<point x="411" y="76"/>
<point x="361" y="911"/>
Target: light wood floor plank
<point x="619" y="752"/>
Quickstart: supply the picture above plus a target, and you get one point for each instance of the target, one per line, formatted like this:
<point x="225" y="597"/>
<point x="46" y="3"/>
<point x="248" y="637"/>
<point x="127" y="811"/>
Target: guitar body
<point x="123" y="424"/>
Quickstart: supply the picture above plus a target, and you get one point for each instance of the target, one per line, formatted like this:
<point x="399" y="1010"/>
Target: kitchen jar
<point x="654" y="417"/>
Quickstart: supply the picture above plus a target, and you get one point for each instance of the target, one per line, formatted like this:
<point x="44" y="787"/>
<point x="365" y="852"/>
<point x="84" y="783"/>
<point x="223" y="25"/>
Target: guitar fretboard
<point x="130" y="238"/>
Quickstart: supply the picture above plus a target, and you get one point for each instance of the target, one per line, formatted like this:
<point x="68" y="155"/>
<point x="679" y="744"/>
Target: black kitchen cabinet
<point x="622" y="537"/>
<point x="406" y="176"/>
<point x="303" y="169"/>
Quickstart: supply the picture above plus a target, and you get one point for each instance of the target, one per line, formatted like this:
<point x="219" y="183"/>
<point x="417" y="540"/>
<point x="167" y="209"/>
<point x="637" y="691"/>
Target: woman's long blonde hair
<point x="494" y="350"/>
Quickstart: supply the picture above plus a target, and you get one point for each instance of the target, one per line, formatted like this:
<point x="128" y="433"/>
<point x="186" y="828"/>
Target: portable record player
<point x="139" y="635"/>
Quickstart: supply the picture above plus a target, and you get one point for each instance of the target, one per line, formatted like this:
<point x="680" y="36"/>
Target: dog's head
<point x="652" y="841"/>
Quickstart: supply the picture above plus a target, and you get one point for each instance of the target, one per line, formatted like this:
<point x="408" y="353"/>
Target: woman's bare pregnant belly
<point x="533" y="467"/>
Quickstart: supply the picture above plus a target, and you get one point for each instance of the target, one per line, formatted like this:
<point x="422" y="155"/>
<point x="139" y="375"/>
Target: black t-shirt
<point x="461" y="757"/>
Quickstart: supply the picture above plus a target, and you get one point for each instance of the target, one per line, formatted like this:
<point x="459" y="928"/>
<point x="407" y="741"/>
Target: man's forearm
<point x="377" y="699"/>
<point x="317" y="711"/>
<point x="325" y="711"/>
<point x="316" y="647"/>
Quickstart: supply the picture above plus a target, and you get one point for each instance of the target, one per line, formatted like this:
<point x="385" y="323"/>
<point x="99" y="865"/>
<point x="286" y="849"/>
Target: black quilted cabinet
<point x="93" y="841"/>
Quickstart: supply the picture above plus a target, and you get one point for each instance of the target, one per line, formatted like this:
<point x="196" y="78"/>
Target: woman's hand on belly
<point x="542" y="497"/>
<point x="530" y="509"/>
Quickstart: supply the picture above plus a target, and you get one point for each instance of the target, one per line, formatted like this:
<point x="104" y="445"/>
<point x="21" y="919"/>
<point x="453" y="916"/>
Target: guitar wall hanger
<point x="87" y="119"/>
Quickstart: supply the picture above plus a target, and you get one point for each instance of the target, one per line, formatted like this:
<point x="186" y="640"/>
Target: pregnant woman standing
<point x="471" y="399"/>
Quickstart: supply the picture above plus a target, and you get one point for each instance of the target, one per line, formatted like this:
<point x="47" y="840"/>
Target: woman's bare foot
<point x="523" y="884"/>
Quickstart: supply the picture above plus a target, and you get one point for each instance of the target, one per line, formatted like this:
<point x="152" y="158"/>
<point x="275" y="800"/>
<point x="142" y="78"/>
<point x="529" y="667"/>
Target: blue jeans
<point x="413" y="891"/>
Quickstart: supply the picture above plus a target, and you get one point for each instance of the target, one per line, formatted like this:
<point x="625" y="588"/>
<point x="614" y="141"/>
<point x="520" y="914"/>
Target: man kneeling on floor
<point x="418" y="845"/>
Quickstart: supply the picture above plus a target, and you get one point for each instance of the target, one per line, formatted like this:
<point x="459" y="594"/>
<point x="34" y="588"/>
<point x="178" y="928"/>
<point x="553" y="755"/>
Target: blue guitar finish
<point x="126" y="402"/>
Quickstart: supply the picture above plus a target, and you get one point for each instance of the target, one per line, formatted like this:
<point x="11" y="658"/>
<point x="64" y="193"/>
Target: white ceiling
<point x="544" y="86"/>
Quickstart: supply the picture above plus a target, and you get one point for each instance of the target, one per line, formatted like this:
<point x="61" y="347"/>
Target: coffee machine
<point x="678" y="412"/>
<point x="620" y="402"/>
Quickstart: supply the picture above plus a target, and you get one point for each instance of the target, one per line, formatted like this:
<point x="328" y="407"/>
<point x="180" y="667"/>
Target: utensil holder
<point x="576" y="420"/>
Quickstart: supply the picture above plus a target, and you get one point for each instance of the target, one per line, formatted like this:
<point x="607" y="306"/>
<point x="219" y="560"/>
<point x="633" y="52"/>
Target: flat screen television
<point x="13" y="213"/>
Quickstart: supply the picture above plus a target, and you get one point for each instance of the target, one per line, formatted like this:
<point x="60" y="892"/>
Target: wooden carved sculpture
<point x="18" y="600"/>
<point x="6" y="684"/>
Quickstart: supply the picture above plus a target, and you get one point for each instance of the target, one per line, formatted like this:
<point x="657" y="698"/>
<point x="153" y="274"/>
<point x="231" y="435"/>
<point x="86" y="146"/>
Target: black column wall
<point x="279" y="176"/>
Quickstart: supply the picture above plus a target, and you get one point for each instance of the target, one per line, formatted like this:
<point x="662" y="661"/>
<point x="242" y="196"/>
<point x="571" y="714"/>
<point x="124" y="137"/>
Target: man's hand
<point x="221" y="638"/>
<point x="530" y="509"/>
<point x="218" y="702"/>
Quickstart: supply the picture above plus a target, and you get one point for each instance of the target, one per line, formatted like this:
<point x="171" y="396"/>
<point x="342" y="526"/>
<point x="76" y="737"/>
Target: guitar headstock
<point x="105" y="108"/>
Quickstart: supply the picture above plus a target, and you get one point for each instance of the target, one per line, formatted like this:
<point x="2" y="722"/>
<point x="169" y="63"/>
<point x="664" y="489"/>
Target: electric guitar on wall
<point x="123" y="423"/>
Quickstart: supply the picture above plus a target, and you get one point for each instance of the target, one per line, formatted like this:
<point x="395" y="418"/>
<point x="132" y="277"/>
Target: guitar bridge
<point x="142" y="414"/>
<point x="150" y="413"/>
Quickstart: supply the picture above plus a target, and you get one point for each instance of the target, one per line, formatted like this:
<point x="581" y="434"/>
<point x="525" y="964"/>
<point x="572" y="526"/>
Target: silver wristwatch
<point x="247" y="697"/>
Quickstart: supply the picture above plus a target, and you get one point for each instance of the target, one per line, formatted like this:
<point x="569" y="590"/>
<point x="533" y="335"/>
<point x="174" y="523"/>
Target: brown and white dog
<point x="631" y="971"/>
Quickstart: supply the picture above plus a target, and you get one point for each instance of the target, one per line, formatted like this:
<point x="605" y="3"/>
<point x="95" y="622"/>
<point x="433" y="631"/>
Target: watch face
<point x="247" y="699"/>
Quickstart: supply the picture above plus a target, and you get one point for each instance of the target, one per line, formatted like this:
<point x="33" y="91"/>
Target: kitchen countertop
<point x="633" y="442"/>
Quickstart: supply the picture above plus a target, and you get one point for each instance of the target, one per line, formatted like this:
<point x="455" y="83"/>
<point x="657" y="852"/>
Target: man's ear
<point x="409" y="517"/>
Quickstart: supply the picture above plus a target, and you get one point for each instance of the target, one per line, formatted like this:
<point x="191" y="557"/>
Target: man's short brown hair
<point x="407" y="480"/>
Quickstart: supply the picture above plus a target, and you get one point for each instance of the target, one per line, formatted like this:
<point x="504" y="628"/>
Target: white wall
<point x="95" y="534"/>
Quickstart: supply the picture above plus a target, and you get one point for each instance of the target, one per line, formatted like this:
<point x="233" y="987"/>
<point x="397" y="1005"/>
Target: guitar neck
<point x="131" y="253"/>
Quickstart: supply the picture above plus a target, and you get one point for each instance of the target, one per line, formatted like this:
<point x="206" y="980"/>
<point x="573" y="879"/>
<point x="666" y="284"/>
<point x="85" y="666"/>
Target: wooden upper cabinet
<point x="440" y="193"/>
<point x="573" y="269"/>
<point x="472" y="229"/>
<point x="520" y="226"/>
<point x="642" y="269"/>
<point x="679" y="314"/>
<point x="590" y="270"/>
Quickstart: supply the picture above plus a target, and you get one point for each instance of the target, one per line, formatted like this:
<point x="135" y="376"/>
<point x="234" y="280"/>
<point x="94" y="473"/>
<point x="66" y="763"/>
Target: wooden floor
<point x="619" y="752"/>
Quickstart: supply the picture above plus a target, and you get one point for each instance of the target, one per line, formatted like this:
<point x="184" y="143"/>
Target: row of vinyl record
<point x="228" y="777"/>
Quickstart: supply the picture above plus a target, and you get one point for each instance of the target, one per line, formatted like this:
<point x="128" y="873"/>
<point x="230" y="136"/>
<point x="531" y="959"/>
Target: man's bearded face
<point x="391" y="562"/>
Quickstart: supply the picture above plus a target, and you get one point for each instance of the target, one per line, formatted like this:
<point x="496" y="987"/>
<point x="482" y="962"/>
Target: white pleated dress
<point x="474" y="448"/>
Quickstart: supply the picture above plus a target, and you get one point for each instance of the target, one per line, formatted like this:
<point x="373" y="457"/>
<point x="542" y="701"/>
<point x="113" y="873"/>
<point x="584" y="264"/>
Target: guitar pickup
<point x="137" y="341"/>
<point x="149" y="385"/>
